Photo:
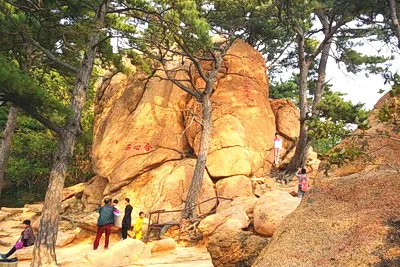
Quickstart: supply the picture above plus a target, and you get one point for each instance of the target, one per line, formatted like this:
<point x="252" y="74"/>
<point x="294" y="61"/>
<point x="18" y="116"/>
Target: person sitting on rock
<point x="139" y="225"/>
<point x="104" y="223"/>
<point x="27" y="239"/>
<point x="277" y="148"/>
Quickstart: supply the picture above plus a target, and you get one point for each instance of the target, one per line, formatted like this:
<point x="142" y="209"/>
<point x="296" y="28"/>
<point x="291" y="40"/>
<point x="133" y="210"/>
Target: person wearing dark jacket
<point x="126" y="221"/>
<point x="27" y="237"/>
<point x="104" y="223"/>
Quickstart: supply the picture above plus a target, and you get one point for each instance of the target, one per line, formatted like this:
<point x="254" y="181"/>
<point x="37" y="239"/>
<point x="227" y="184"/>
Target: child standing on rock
<point x="303" y="182"/>
<point x="277" y="148"/>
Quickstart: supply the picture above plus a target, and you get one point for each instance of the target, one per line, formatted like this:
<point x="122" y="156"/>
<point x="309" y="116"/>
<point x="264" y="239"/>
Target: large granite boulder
<point x="235" y="248"/>
<point x="123" y="253"/>
<point x="270" y="210"/>
<point x="243" y="122"/>
<point x="138" y="126"/>
<point x="147" y="132"/>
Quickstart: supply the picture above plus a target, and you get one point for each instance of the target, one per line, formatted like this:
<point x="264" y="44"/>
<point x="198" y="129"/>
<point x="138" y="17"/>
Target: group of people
<point x="110" y="215"/>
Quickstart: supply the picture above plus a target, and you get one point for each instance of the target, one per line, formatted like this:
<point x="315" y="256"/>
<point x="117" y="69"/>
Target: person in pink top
<point x="277" y="148"/>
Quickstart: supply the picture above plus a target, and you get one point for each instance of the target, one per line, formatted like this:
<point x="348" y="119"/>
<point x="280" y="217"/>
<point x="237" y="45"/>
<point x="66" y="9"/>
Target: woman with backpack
<point x="303" y="182"/>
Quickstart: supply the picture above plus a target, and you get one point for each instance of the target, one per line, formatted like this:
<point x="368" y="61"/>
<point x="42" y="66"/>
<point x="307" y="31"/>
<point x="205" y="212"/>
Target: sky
<point x="358" y="87"/>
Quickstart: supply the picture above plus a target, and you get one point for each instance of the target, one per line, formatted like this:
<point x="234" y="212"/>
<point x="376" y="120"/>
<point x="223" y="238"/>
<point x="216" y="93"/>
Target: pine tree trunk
<point x="197" y="180"/>
<point x="323" y="62"/>
<point x="44" y="250"/>
<point x="6" y="143"/>
<point x="395" y="20"/>
<point x="300" y="154"/>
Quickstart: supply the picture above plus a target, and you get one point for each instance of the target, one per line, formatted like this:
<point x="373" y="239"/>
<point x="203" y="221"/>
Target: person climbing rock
<point x="126" y="221"/>
<point x="104" y="223"/>
<point x="303" y="182"/>
<point x="27" y="239"/>
<point x="277" y="148"/>
<point x="139" y="225"/>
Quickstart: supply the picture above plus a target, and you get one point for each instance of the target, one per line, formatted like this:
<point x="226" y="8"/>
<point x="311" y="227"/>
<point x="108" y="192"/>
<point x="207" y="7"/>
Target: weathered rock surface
<point x="93" y="193"/>
<point x="343" y="221"/>
<point x="4" y="215"/>
<point x="123" y="253"/>
<point x="235" y="186"/>
<point x="135" y="129"/>
<point x="379" y="143"/>
<point x="286" y="118"/>
<point x="73" y="191"/>
<point x="239" y="141"/>
<point x="166" y="188"/>
<point x="163" y="245"/>
<point x="142" y="138"/>
<point x="64" y="239"/>
<point x="235" y="248"/>
<point x="24" y="253"/>
<point x="231" y="218"/>
<point x="270" y="210"/>
<point x="245" y="204"/>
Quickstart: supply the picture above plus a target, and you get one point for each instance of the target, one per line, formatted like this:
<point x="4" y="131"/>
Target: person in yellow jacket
<point x="138" y="226"/>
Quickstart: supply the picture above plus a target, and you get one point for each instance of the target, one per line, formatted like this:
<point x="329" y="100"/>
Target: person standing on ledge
<point x="277" y="148"/>
<point x="104" y="223"/>
<point x="126" y="221"/>
<point x="139" y="225"/>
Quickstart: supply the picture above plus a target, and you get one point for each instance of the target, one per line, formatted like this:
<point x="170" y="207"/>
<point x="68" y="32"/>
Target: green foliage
<point x="356" y="62"/>
<point x="334" y="113"/>
<point x="344" y="154"/>
<point x="17" y="86"/>
<point x="285" y="89"/>
<point x="326" y="133"/>
<point x="389" y="112"/>
<point x="333" y="106"/>
<point x="29" y="164"/>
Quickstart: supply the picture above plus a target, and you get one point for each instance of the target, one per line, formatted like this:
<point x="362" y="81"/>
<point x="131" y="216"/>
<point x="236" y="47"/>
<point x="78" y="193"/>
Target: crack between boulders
<point x="145" y="170"/>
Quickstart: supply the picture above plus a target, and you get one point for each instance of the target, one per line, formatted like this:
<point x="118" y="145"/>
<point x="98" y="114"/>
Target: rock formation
<point x="146" y="135"/>
<point x="378" y="145"/>
<point x="235" y="248"/>
<point x="352" y="218"/>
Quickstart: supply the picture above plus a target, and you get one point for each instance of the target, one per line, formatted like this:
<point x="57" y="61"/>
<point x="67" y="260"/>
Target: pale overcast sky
<point x="360" y="88"/>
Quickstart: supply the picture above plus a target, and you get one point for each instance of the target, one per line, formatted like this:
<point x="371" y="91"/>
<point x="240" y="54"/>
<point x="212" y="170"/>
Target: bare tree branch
<point x="50" y="55"/>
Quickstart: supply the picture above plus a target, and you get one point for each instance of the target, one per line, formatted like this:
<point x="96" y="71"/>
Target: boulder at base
<point x="232" y="218"/>
<point x="270" y="210"/>
<point x="123" y="253"/>
<point x="235" y="248"/>
<point x="163" y="245"/>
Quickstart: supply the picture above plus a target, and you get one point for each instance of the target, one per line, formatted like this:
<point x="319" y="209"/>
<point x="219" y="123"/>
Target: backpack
<point x="304" y="184"/>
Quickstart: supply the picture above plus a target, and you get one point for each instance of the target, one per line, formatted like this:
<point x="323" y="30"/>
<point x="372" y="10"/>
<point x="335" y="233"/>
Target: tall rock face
<point x="243" y="122"/>
<point x="147" y="131"/>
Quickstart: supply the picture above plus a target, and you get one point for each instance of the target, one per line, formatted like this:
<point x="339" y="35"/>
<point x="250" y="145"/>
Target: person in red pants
<point x="104" y="223"/>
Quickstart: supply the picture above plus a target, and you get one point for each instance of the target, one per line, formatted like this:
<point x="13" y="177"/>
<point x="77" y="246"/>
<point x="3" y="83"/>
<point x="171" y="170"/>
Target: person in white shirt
<point x="277" y="148"/>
